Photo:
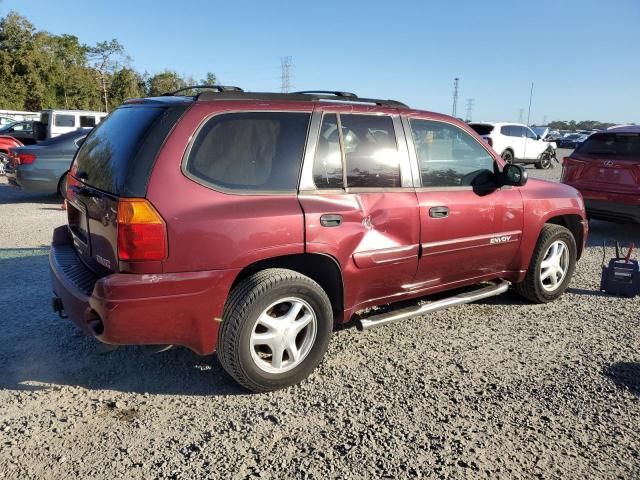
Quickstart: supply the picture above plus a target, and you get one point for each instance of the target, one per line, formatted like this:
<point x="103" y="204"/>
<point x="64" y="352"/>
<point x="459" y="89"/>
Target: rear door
<point x="469" y="229"/>
<point x="358" y="200"/>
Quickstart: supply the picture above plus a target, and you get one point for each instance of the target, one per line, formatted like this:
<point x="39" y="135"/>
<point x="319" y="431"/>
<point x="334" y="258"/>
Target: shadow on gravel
<point x="622" y="232"/>
<point x="583" y="291"/>
<point x="39" y="350"/>
<point x="625" y="375"/>
<point x="14" y="195"/>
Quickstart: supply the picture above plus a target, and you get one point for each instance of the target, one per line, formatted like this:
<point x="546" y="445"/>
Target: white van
<point x="57" y="122"/>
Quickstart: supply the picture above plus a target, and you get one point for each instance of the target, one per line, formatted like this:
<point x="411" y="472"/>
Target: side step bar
<point x="495" y="288"/>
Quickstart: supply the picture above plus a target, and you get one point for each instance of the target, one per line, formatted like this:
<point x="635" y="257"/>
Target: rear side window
<point x="365" y="143"/>
<point x="87" y="121"/>
<point x="614" y="144"/>
<point x="111" y="155"/>
<point x="65" y="120"/>
<point x="482" y="129"/>
<point x="250" y="151"/>
<point x="448" y="156"/>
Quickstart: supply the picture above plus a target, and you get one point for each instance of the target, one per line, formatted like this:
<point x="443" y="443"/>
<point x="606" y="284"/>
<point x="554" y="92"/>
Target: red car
<point x="7" y="143"/>
<point x="606" y="170"/>
<point x="252" y="223"/>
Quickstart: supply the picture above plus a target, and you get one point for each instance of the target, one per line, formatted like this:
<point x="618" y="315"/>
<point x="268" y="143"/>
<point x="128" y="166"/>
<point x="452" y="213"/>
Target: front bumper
<point x="130" y="309"/>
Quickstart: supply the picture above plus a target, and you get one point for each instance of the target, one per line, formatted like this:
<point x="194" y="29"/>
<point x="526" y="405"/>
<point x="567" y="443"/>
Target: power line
<point x="285" y="64"/>
<point x="469" y="109"/>
<point x="455" y="96"/>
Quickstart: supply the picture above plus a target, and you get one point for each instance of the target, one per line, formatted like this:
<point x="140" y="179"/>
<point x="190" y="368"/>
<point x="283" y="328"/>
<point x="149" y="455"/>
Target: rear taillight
<point x="142" y="233"/>
<point x="25" y="159"/>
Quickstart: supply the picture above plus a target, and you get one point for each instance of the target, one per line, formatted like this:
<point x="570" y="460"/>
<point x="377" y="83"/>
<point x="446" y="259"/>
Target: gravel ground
<point x="500" y="388"/>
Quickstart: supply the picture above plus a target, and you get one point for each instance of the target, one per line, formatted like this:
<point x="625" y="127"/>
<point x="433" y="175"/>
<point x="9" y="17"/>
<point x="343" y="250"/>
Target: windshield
<point x="6" y="127"/>
<point x="615" y="144"/>
<point x="539" y="130"/>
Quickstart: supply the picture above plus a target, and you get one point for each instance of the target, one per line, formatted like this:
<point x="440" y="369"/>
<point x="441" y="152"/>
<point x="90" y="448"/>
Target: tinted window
<point x="371" y="151"/>
<point x="615" y="144"/>
<point x="65" y="120"/>
<point x="506" y="130"/>
<point x="255" y="151"/>
<point x="109" y="153"/>
<point x="530" y="134"/>
<point x="327" y="164"/>
<point x="87" y="121"/>
<point x="448" y="156"/>
<point x="517" y="131"/>
<point x="44" y="118"/>
<point x="68" y="137"/>
<point x="483" y="129"/>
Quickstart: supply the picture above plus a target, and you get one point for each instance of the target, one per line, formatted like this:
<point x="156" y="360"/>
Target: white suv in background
<point x="516" y="143"/>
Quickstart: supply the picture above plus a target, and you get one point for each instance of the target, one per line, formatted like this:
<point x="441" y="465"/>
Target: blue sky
<point x="583" y="56"/>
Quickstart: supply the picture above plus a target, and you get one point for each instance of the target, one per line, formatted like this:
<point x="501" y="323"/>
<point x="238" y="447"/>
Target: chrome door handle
<point x="439" y="212"/>
<point x="330" y="220"/>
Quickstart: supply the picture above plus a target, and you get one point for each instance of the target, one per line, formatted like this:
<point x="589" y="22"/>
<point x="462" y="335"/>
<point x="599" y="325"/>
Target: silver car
<point x="39" y="168"/>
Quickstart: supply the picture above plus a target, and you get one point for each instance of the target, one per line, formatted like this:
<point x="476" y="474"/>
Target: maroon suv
<point x="252" y="223"/>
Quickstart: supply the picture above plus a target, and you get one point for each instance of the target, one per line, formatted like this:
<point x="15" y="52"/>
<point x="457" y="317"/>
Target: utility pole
<point x="530" y="100"/>
<point x="285" y="63"/>
<point x="469" y="109"/>
<point x="455" y="96"/>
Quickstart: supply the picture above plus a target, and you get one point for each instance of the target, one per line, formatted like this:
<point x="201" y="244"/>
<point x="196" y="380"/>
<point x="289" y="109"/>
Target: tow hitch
<point x="56" y="304"/>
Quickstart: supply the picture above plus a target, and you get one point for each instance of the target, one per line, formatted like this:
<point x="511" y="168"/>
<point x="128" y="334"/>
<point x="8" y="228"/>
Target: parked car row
<point x="516" y="142"/>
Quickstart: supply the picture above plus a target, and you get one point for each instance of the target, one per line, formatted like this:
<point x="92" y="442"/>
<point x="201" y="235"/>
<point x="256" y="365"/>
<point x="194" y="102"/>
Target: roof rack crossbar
<point x="296" y="96"/>
<point x="219" y="88"/>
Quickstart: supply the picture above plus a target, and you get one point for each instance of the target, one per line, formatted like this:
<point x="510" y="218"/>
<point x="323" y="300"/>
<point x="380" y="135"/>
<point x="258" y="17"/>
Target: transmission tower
<point x="469" y="109"/>
<point x="455" y="96"/>
<point x="285" y="63"/>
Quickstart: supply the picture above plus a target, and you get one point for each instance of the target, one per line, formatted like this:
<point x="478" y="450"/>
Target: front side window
<point x="65" y="121"/>
<point x="506" y="130"/>
<point x="530" y="134"/>
<point x="250" y="151"/>
<point x="448" y="156"/>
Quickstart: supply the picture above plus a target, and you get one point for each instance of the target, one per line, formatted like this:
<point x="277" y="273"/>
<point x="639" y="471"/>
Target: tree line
<point x="41" y="70"/>
<point x="583" y="125"/>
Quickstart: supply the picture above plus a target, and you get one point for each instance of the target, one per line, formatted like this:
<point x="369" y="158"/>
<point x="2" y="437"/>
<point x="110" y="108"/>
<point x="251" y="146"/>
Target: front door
<point x="359" y="204"/>
<point x="469" y="230"/>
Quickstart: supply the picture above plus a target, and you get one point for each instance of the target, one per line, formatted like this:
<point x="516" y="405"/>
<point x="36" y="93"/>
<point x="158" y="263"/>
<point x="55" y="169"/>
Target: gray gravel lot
<point x="500" y="388"/>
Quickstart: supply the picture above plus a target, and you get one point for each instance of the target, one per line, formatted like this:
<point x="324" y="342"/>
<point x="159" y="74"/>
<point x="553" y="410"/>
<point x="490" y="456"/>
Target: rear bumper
<point x="129" y="309"/>
<point x="612" y="206"/>
<point x="26" y="178"/>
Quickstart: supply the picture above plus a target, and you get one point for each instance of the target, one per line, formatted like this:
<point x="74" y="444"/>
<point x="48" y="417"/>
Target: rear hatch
<point x="606" y="162"/>
<point x="484" y="130"/>
<point x="115" y="161"/>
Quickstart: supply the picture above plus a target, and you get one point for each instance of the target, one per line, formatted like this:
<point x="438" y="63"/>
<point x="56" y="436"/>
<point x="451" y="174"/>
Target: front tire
<point x="275" y="330"/>
<point x="551" y="267"/>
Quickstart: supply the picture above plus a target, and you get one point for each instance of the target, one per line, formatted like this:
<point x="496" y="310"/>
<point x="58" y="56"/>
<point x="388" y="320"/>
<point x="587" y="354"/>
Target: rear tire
<point x="507" y="156"/>
<point x="551" y="267"/>
<point x="275" y="330"/>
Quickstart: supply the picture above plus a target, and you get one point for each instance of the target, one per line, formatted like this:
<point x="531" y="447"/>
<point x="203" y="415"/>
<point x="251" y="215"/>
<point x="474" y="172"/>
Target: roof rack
<point x="303" y="96"/>
<point x="219" y="88"/>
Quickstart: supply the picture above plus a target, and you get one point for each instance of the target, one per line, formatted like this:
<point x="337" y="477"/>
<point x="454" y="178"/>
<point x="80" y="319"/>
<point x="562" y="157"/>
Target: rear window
<point x="117" y="156"/>
<point x="615" y="144"/>
<point x="250" y="151"/>
<point x="481" y="129"/>
<point x="87" y="121"/>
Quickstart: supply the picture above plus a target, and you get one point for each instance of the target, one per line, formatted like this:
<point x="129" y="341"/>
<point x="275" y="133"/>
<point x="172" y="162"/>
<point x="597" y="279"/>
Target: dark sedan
<point x="39" y="168"/>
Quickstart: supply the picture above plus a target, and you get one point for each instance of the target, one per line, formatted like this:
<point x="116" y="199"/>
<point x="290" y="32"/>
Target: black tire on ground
<point x="545" y="162"/>
<point x="507" y="156"/>
<point x="247" y="301"/>
<point x="531" y="288"/>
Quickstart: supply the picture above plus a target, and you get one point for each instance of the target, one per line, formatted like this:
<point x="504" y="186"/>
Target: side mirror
<point x="515" y="175"/>
<point x="538" y="137"/>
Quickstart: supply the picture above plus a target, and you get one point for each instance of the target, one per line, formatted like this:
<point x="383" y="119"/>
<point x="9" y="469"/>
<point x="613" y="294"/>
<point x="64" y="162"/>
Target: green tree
<point x="106" y="58"/>
<point x="164" y="82"/>
<point x="210" y="79"/>
<point x="125" y="83"/>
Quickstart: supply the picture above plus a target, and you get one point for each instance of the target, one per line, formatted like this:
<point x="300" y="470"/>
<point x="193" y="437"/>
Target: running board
<point x="495" y="288"/>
